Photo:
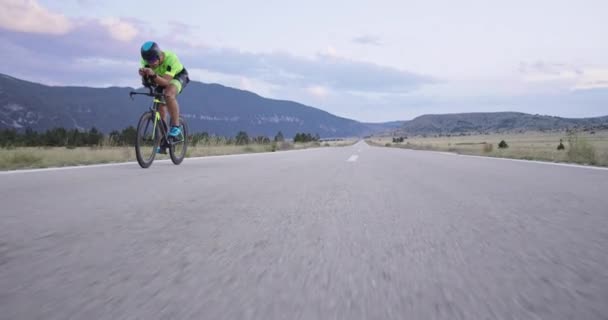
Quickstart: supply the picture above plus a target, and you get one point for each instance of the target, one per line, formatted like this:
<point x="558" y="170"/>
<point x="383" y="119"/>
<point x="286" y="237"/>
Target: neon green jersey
<point x="170" y="65"/>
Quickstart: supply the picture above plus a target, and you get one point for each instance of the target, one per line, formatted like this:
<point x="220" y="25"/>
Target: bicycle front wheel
<point x="179" y="145"/>
<point x="148" y="139"/>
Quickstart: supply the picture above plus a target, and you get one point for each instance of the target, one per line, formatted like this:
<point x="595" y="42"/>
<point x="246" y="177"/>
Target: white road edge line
<point x="353" y="158"/>
<point x="560" y="164"/>
<point x="155" y="161"/>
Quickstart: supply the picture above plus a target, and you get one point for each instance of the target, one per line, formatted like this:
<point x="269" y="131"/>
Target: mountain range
<point x="496" y="122"/>
<point x="224" y="111"/>
<point x="210" y="108"/>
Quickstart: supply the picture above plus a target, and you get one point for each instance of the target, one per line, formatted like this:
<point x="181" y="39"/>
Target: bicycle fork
<point x="156" y="120"/>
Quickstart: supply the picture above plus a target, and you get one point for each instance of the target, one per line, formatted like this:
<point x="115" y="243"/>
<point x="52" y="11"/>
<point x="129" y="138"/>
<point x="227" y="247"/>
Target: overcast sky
<point x="366" y="60"/>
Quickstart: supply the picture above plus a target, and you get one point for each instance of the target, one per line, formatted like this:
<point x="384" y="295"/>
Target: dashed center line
<point x="353" y="158"/>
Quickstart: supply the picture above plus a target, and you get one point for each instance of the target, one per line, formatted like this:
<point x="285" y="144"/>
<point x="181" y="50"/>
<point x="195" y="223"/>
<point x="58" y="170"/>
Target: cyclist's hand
<point x="141" y="72"/>
<point x="146" y="82"/>
<point x="148" y="71"/>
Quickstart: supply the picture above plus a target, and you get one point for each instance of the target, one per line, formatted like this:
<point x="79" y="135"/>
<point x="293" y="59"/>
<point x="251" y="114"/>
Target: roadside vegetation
<point x="581" y="147"/>
<point x="60" y="147"/>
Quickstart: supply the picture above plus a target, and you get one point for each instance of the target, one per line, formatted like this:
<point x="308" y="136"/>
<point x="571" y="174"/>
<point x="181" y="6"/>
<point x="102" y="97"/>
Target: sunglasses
<point x="152" y="60"/>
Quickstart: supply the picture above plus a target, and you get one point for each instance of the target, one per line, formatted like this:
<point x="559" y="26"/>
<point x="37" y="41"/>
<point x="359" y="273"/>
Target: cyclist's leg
<point x="175" y="87"/>
<point x="162" y="109"/>
<point x="171" y="98"/>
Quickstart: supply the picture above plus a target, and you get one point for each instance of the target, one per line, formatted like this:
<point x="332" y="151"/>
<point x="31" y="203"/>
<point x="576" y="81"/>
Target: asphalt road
<point x="355" y="232"/>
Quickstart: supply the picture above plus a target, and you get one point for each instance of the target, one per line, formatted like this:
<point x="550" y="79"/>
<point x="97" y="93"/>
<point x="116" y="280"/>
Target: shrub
<point x="488" y="147"/>
<point x="561" y="145"/>
<point x="305" y="137"/>
<point x="24" y="158"/>
<point x="503" y="145"/>
<point x="580" y="150"/>
<point x="242" y="138"/>
<point x="285" y="145"/>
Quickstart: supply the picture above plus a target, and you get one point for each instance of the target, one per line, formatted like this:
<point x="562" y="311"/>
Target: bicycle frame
<point x="158" y="99"/>
<point x="163" y="130"/>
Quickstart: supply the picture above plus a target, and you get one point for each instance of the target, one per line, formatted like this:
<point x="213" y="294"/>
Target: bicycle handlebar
<point x="149" y="94"/>
<point x="150" y="85"/>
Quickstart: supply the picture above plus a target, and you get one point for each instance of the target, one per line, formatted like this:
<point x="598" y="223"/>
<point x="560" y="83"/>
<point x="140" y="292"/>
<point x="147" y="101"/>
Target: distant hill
<point x="211" y="108"/>
<point x="495" y="122"/>
<point x="221" y="110"/>
<point x="384" y="127"/>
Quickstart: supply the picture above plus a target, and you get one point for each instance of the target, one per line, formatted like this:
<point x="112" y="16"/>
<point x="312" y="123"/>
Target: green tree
<point x="56" y="137"/>
<point x="8" y="137"/>
<point x="128" y="136"/>
<point x="200" y="137"/>
<point x="114" y="138"/>
<point x="31" y="138"/>
<point x="305" y="137"/>
<point x="74" y="139"/>
<point x="241" y="138"/>
<point x="94" y="137"/>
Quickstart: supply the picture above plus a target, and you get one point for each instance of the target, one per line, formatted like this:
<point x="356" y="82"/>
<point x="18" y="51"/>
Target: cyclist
<point x="163" y="69"/>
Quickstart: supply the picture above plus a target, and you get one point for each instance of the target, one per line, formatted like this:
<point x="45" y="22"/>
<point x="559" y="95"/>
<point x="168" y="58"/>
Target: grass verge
<point x="46" y="157"/>
<point x="581" y="148"/>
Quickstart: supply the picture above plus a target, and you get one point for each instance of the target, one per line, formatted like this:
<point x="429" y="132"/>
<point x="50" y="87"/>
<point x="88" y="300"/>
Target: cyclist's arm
<point x="174" y="67"/>
<point x="146" y="81"/>
<point x="149" y="74"/>
<point x="162" y="81"/>
<point x="142" y="66"/>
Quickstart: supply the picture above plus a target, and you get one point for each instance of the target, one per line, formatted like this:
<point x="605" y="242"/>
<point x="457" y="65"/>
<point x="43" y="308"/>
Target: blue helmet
<point x="150" y="51"/>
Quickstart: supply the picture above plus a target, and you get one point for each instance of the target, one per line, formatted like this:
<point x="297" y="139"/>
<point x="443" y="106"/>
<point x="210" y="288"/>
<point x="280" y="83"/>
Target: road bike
<point x="152" y="133"/>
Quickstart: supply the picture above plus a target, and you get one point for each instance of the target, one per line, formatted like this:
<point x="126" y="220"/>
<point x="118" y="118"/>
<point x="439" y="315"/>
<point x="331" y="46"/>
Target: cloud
<point x="73" y="71"/>
<point x="368" y="40"/>
<point x="108" y="38"/>
<point x="86" y="3"/>
<point x="330" y="52"/>
<point x="571" y="76"/>
<point x="593" y="78"/>
<point x="120" y="30"/>
<point x="29" y="16"/>
<point x="289" y="70"/>
<point x="240" y="82"/>
<point x="118" y="39"/>
<point x="317" y="91"/>
<point x="181" y="28"/>
<point x="548" y="71"/>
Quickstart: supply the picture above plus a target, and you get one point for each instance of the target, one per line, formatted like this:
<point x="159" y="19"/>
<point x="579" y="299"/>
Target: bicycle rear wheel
<point x="179" y="146"/>
<point x="148" y="139"/>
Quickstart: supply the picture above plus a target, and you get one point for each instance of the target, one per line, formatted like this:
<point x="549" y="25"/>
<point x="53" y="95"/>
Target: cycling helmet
<point x="150" y="51"/>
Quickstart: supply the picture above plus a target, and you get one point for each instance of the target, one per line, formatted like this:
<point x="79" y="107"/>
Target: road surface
<point x="354" y="232"/>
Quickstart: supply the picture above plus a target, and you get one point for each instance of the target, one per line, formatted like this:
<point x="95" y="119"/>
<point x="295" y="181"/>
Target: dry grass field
<point x="45" y="157"/>
<point x="582" y="147"/>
